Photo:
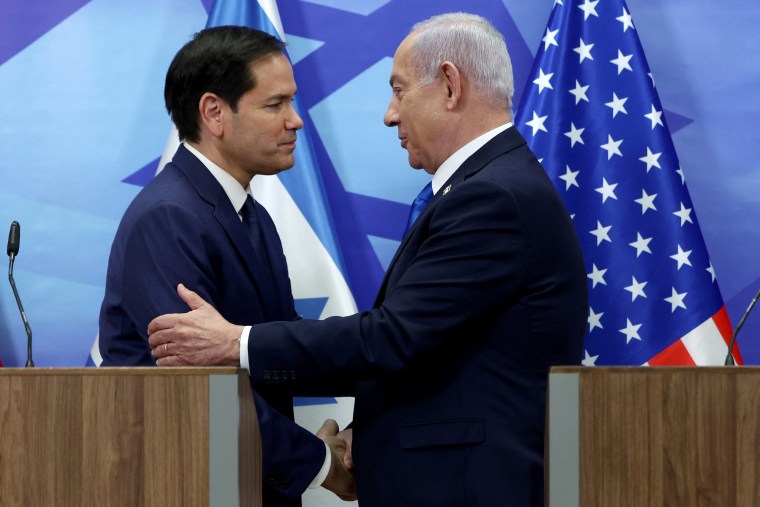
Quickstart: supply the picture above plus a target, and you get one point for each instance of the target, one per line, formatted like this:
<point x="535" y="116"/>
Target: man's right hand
<point x="340" y="478"/>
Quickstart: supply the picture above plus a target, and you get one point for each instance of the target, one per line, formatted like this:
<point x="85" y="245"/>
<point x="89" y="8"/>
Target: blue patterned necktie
<point x="418" y="205"/>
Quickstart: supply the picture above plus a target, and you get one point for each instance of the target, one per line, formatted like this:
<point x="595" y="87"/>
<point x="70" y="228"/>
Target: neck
<point x="212" y="152"/>
<point x="473" y="124"/>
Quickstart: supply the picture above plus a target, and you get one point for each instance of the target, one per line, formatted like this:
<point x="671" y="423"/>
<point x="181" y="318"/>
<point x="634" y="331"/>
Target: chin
<point x="414" y="163"/>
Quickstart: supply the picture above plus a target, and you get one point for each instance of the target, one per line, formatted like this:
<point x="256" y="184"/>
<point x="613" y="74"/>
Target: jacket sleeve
<point x="469" y="257"/>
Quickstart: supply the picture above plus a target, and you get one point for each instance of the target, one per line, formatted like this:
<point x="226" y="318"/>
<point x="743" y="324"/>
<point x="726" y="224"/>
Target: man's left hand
<point x="201" y="337"/>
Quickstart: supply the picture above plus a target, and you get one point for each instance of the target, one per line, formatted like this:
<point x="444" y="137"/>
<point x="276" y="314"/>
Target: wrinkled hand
<point x="200" y="337"/>
<point x="340" y="478"/>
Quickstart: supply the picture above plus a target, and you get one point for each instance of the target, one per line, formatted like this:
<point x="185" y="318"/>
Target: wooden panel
<point x="669" y="436"/>
<point x="747" y="430"/>
<point x="114" y="436"/>
<point x="251" y="472"/>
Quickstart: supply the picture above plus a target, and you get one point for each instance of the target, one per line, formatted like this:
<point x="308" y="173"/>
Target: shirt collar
<point x="450" y="166"/>
<point x="235" y="192"/>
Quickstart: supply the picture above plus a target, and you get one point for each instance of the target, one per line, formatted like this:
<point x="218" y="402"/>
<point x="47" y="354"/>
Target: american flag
<point x="592" y="114"/>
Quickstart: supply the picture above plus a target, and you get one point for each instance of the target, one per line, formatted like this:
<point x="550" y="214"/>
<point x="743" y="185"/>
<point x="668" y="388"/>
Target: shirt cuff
<point x="322" y="475"/>
<point x="244" y="349"/>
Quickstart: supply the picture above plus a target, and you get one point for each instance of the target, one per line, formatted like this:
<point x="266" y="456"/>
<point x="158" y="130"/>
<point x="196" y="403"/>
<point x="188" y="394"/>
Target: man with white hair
<point x="486" y="292"/>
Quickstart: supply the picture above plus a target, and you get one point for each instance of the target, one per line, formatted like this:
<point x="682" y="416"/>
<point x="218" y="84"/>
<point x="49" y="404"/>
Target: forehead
<point x="273" y="75"/>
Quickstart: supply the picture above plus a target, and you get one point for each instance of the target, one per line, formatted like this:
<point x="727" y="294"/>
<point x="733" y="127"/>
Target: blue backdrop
<point x="83" y="124"/>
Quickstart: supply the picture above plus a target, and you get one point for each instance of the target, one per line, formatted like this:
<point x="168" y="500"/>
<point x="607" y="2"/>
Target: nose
<point x="391" y="114"/>
<point x="293" y="121"/>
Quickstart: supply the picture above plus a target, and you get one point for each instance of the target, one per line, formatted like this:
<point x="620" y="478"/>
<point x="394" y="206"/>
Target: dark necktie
<point x="418" y="205"/>
<point x="258" y="240"/>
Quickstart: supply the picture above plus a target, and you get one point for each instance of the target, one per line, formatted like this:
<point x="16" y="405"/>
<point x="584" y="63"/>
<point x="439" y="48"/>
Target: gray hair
<point x="473" y="45"/>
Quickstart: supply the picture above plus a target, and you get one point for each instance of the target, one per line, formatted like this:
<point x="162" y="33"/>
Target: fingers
<point x="158" y="336"/>
<point x="170" y="361"/>
<point x="163" y="322"/>
<point x="347" y="436"/>
<point x="340" y="479"/>
<point x="329" y="429"/>
<point x="191" y="299"/>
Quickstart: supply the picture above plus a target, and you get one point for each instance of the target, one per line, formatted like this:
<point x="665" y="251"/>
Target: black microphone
<point x="14" y="241"/>
<point x="730" y="357"/>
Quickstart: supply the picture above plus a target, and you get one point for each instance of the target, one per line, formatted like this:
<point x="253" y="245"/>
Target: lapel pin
<point x="446" y="190"/>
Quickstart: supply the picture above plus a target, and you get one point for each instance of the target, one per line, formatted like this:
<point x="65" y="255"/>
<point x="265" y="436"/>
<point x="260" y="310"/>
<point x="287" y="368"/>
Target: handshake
<point x="340" y="478"/>
<point x="203" y="337"/>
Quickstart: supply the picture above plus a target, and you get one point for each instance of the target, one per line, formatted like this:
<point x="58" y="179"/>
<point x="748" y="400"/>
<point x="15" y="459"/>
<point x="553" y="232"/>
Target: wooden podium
<point x="653" y="437"/>
<point x="128" y="436"/>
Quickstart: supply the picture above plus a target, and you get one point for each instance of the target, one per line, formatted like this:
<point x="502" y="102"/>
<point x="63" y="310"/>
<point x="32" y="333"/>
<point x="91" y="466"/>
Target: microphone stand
<point x="29" y="361"/>
<point x="730" y="357"/>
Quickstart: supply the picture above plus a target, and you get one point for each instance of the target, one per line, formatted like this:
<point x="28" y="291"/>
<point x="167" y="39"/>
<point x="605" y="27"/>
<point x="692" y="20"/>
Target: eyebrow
<point x="281" y="96"/>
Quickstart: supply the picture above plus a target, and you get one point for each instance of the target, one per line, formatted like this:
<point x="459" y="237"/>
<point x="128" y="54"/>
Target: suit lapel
<point x="504" y="142"/>
<point x="211" y="191"/>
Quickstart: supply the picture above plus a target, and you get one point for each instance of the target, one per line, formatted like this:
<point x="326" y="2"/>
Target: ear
<point x="451" y="81"/>
<point x="211" y="110"/>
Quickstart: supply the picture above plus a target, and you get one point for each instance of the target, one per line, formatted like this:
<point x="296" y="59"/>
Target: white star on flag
<point x="622" y="62"/>
<point x="570" y="178"/>
<point x="589" y="8"/>
<point x="679" y="171"/>
<point x="579" y="92"/>
<point x="543" y="81"/>
<point x="589" y="360"/>
<point x="631" y="331"/>
<point x="676" y="300"/>
<point x="617" y="105"/>
<point x="601" y="232"/>
<point x="626" y="20"/>
<point x="607" y="190"/>
<point x="612" y="147"/>
<point x="711" y="270"/>
<point x="641" y="244"/>
<point x="594" y="319"/>
<point x="646" y="201"/>
<point x="684" y="214"/>
<point x="651" y="159"/>
<point x="584" y="50"/>
<point x="550" y="38"/>
<point x="655" y="117"/>
<point x="597" y="276"/>
<point x="537" y="123"/>
<point x="681" y="257"/>
<point x="575" y="135"/>
<point x="636" y="289"/>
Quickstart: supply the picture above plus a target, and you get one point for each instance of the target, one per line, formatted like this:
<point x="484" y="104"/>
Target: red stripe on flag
<point x="675" y="355"/>
<point x="724" y="326"/>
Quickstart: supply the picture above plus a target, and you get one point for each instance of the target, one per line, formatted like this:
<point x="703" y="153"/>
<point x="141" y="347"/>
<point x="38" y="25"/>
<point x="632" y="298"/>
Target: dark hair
<point x="217" y="61"/>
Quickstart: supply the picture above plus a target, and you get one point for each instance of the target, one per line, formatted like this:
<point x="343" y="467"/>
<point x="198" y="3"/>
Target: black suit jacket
<point x="486" y="292"/>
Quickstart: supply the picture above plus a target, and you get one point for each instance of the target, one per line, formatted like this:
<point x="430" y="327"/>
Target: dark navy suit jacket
<point x="182" y="228"/>
<point x="486" y="292"/>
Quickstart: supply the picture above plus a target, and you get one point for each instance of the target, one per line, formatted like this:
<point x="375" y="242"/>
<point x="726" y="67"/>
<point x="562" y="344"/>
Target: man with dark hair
<point x="229" y="93"/>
